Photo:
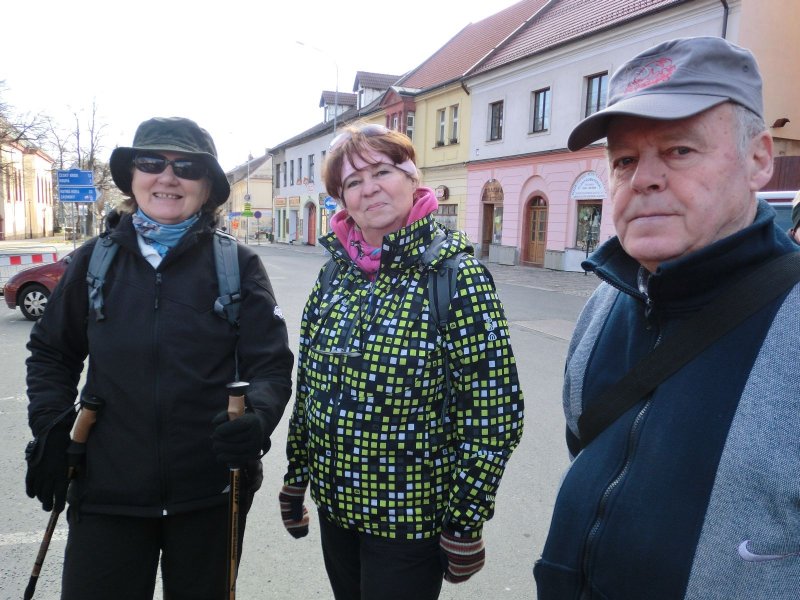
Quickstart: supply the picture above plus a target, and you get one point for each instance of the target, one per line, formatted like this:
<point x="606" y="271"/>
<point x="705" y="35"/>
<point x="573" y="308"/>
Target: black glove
<point x="239" y="441"/>
<point x="47" y="478"/>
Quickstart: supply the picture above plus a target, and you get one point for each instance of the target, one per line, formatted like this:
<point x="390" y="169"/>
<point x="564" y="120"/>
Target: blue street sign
<point x="330" y="203"/>
<point x="75" y="178"/>
<point x="257" y="214"/>
<point x="77" y="194"/>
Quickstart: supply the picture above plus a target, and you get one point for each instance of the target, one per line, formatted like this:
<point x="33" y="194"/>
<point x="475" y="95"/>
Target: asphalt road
<point x="541" y="307"/>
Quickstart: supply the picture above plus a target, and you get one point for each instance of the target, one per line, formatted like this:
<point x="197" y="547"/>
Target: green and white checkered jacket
<point x="384" y="450"/>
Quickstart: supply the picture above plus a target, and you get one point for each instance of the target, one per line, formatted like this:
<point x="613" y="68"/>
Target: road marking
<point x="557" y="328"/>
<point x="31" y="537"/>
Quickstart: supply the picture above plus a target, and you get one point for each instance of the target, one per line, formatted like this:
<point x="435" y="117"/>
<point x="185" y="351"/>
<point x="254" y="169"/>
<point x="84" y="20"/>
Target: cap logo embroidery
<point x="657" y="71"/>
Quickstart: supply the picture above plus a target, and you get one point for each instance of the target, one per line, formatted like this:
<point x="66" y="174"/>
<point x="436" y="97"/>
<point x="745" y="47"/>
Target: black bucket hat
<point x="171" y="134"/>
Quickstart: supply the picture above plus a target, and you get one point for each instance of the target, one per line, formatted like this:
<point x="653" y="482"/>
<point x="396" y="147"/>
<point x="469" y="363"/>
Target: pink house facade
<point x="542" y="210"/>
<point x="529" y="200"/>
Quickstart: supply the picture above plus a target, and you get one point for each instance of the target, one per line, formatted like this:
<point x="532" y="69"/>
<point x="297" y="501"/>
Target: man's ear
<point x="759" y="159"/>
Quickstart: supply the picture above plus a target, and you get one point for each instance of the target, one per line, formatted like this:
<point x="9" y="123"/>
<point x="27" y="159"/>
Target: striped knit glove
<point x="465" y="556"/>
<point x="293" y="511"/>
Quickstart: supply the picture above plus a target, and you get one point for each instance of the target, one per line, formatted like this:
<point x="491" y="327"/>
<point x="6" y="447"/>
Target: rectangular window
<point x="410" y="125"/>
<point x="396" y="122"/>
<point x="454" y="124"/>
<point x="541" y="110"/>
<point x="596" y="93"/>
<point x="496" y="121"/>
<point x="278" y="176"/>
<point x="299" y="170"/>
<point x="310" y="168"/>
<point x="291" y="172"/>
<point x="447" y="215"/>
<point x="587" y="232"/>
<point x="440" y="124"/>
<point x="284" y="174"/>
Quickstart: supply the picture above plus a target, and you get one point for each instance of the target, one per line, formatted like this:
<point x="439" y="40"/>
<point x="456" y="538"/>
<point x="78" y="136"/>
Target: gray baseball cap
<point x="675" y="80"/>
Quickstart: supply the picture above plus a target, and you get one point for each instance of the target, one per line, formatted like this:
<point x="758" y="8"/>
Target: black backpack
<point x="225" y="258"/>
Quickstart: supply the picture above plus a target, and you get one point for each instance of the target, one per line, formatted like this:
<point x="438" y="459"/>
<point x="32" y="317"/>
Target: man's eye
<point x="352" y="183"/>
<point x="682" y="150"/>
<point x="623" y="162"/>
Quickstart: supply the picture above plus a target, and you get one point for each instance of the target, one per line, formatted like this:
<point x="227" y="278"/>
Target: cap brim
<point x="121" y="161"/>
<point x="663" y="107"/>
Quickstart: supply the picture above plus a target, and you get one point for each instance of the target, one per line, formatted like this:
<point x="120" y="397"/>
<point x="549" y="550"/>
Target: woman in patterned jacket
<point x="401" y="428"/>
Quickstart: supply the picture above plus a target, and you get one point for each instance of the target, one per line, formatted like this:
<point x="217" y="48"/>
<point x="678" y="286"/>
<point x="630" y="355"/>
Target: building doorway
<point x="492" y="215"/>
<point x="311" y="219"/>
<point x="536" y="242"/>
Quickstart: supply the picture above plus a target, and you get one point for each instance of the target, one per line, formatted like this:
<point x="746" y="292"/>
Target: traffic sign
<point x="75" y="178"/>
<point x="77" y="194"/>
<point x="257" y="214"/>
<point x="330" y="203"/>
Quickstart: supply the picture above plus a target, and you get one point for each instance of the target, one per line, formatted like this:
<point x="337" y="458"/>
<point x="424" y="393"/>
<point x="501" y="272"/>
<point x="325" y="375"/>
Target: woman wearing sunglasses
<point x="153" y="486"/>
<point x="403" y="473"/>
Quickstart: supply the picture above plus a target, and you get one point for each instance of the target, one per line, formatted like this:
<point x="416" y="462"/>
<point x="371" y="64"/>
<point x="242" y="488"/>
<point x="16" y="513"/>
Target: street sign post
<point x="75" y="178"/>
<point x="77" y="194"/>
<point x="74" y="186"/>
<point x="330" y="203"/>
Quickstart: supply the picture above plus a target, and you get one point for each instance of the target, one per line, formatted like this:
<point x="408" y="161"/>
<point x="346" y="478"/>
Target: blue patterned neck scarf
<point x="160" y="236"/>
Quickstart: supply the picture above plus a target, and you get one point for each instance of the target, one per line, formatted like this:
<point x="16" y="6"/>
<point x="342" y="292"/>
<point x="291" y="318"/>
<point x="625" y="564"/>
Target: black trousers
<point x="110" y="556"/>
<point x="361" y="566"/>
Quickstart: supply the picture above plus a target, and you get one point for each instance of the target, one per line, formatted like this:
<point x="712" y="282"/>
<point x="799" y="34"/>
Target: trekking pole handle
<point x="236" y="394"/>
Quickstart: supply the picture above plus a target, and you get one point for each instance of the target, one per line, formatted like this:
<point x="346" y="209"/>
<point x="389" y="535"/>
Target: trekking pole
<point x="80" y="433"/>
<point x="236" y="394"/>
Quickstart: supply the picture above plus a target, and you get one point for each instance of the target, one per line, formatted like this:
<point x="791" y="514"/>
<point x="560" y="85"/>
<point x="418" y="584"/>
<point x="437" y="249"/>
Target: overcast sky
<point x="233" y="66"/>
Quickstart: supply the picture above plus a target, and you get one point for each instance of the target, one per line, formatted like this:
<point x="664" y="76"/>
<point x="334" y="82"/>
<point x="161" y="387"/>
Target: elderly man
<point x="690" y="489"/>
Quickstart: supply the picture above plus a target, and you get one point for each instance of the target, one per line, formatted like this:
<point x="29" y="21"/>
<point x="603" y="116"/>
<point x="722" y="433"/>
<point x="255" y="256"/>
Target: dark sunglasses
<point x="185" y="168"/>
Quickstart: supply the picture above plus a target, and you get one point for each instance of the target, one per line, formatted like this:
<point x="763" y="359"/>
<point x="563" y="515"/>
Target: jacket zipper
<point x="604" y="499"/>
<point x="159" y="425"/>
<point x="585" y="590"/>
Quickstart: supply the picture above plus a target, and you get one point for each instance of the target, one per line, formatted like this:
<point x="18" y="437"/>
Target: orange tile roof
<point x="469" y="46"/>
<point x="568" y="20"/>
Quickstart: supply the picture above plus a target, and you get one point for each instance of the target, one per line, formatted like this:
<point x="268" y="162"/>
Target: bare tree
<point x="26" y="130"/>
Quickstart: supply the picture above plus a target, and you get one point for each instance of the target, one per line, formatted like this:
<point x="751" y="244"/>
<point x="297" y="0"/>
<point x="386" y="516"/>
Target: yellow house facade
<point x="441" y="139"/>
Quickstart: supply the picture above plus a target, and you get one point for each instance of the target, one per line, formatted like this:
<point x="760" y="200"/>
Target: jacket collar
<point x="406" y="246"/>
<point x="693" y="279"/>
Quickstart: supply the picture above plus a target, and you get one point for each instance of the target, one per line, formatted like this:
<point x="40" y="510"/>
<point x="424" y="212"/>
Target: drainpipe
<point x="725" y="11"/>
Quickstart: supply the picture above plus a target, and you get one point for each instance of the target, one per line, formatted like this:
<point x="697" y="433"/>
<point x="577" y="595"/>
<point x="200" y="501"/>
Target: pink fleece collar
<point x="367" y="258"/>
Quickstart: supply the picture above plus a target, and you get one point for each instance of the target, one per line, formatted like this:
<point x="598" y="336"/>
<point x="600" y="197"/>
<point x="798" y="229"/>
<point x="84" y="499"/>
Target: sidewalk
<point x="565" y="282"/>
<point x="577" y="284"/>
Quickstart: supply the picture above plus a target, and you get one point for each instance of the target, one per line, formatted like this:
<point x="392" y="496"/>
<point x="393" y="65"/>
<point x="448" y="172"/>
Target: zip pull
<point x="158" y="289"/>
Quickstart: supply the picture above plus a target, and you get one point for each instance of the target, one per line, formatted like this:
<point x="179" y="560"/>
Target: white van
<point x="782" y="203"/>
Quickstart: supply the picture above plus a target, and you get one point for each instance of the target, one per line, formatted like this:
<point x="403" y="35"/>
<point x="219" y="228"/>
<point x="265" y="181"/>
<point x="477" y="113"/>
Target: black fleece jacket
<point x="160" y="362"/>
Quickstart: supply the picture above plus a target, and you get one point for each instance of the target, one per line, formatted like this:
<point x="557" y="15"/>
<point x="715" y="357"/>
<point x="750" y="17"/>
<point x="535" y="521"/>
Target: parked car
<point x="31" y="288"/>
<point x="782" y="203"/>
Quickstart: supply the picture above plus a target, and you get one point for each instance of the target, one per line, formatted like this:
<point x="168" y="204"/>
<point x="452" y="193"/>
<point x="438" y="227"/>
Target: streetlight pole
<point x="336" y="92"/>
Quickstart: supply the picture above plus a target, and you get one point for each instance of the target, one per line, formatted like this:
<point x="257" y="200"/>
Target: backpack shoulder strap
<point x="690" y="338"/>
<point x="226" y="259"/>
<point x="103" y="253"/>
<point x="442" y="283"/>
<point x="442" y="288"/>
<point x="329" y="272"/>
